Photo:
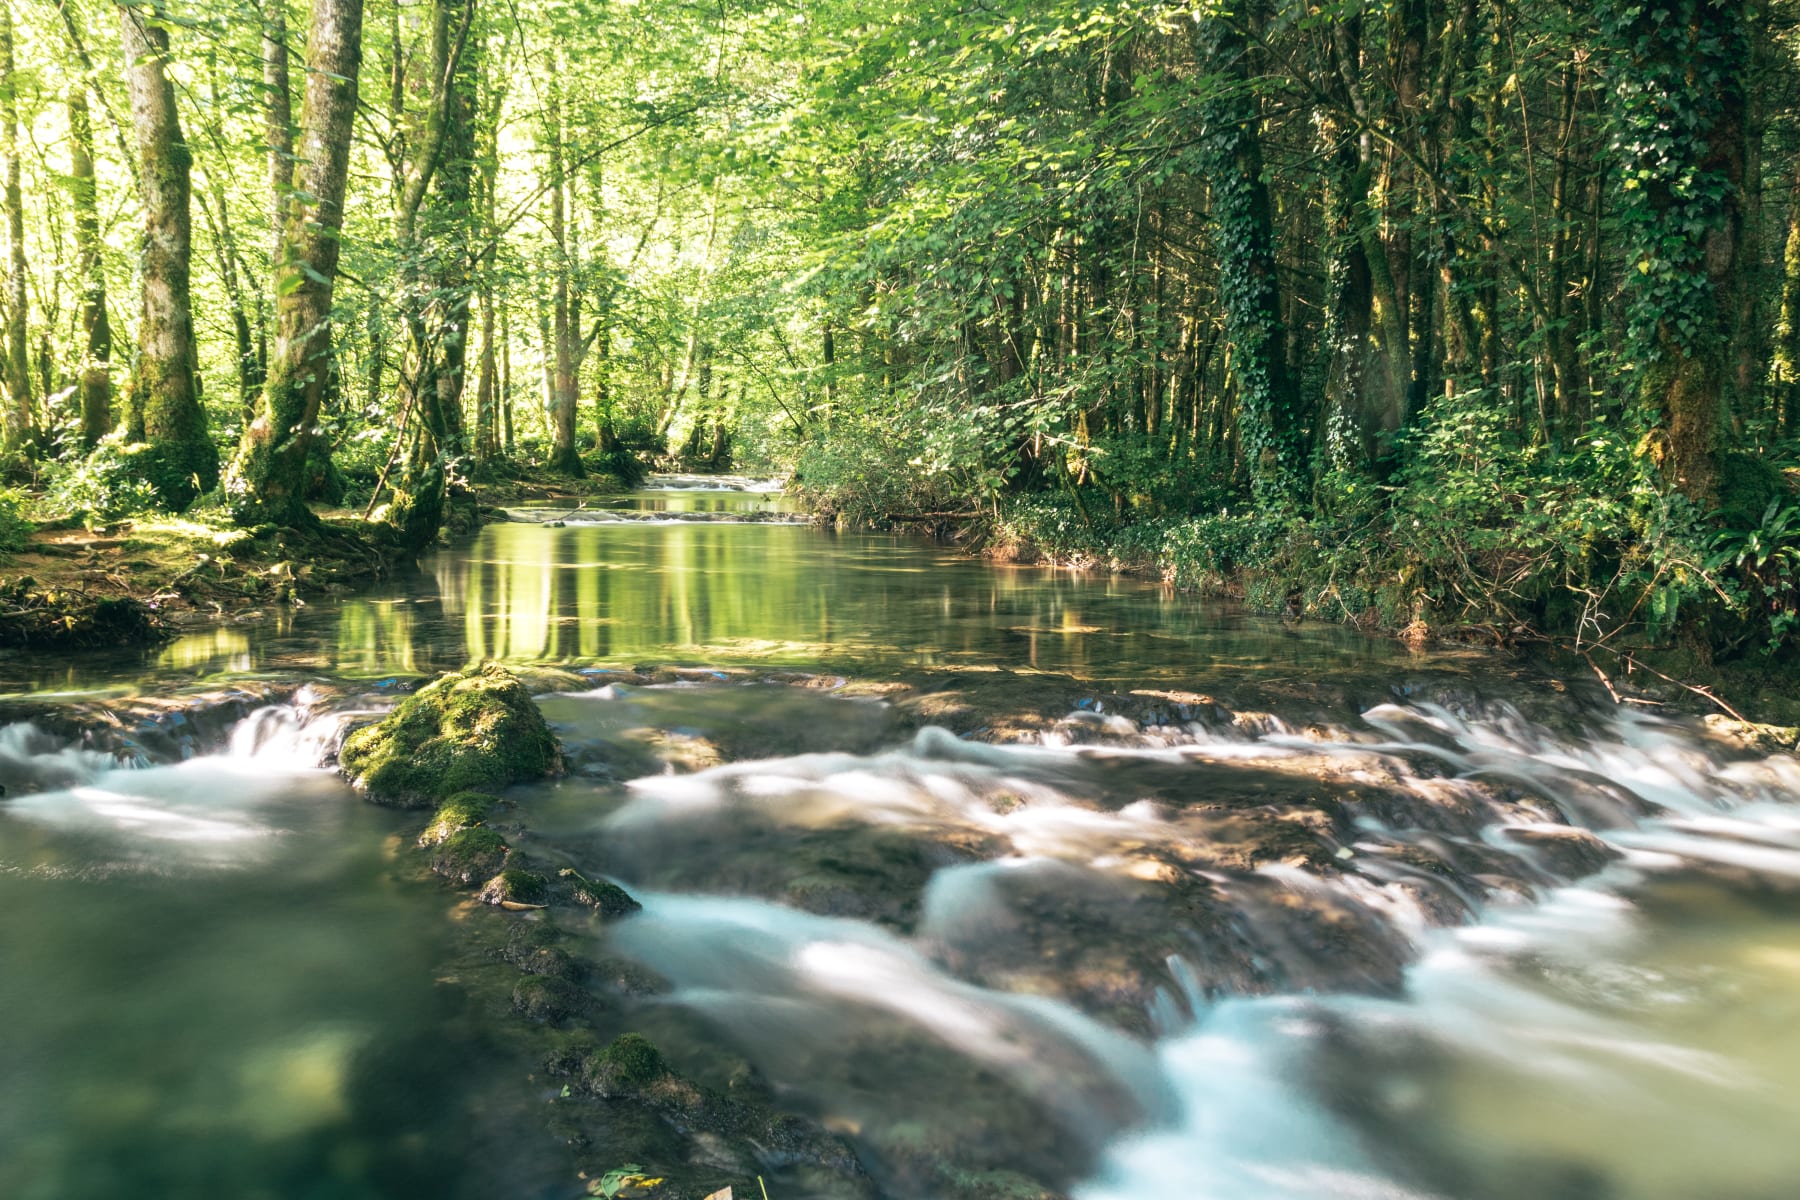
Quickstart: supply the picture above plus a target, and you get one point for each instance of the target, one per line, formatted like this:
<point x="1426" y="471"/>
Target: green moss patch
<point x="609" y="899"/>
<point x="469" y="856"/>
<point x="516" y="887"/>
<point x="465" y="732"/>
<point x="459" y="812"/>
<point x="631" y="1063"/>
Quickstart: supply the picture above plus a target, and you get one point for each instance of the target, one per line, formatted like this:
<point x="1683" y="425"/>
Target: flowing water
<point x="1089" y="959"/>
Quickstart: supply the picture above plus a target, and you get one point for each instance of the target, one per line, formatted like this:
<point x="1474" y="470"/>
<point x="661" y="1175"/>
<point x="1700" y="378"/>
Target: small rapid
<point x="1525" y="884"/>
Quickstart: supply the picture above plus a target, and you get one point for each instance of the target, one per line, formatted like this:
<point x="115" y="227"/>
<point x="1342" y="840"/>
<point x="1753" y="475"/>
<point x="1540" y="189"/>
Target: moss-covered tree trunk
<point x="1268" y="406"/>
<point x="267" y="480"/>
<point x="1786" y="349"/>
<point x="181" y="462"/>
<point x="20" y="423"/>
<point x="420" y="500"/>
<point x="1679" y="113"/>
<point x="564" y="320"/>
<point x="94" y="385"/>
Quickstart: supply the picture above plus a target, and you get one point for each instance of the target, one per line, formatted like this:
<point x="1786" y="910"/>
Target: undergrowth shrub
<point x="15" y="527"/>
<point x="107" y="484"/>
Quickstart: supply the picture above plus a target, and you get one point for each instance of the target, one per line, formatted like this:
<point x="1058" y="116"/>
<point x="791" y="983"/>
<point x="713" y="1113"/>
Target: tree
<point x="1679" y="117"/>
<point x="95" y="386"/>
<point x="20" y="423"/>
<point x="267" y="479"/>
<point x="163" y="402"/>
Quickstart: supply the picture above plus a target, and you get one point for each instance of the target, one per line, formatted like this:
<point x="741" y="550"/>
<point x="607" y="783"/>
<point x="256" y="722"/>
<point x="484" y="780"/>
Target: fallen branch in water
<point x="1698" y="690"/>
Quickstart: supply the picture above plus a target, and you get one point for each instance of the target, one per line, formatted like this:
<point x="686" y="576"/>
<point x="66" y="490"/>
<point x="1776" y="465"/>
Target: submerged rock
<point x="548" y="998"/>
<point x="478" y="729"/>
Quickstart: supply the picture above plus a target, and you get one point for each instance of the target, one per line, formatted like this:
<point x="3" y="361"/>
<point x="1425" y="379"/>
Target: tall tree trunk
<point x="1786" y="350"/>
<point x="95" y="382"/>
<point x="1267" y="404"/>
<point x="267" y="481"/>
<point x="278" y="123"/>
<point x="564" y="389"/>
<point x="1682" y="69"/>
<point x="20" y="418"/>
<point x="421" y="495"/>
<point x="181" y="462"/>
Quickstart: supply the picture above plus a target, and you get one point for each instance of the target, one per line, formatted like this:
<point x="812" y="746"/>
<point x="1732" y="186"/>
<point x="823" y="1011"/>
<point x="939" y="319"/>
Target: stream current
<point x="215" y="982"/>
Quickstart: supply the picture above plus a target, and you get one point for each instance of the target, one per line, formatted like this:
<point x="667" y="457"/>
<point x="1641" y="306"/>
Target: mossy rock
<point x="515" y="887"/>
<point x="461" y="811"/>
<point x="531" y="947"/>
<point x="608" y="899"/>
<point x="466" y="732"/>
<point x="626" y="1067"/>
<point x="469" y="856"/>
<point x="547" y="998"/>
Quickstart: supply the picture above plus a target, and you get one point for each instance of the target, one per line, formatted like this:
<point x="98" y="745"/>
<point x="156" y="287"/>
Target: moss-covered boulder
<point x="608" y="899"/>
<point x="465" y="732"/>
<point x="516" y="887"/>
<point x="625" y="1068"/>
<point x="470" y="856"/>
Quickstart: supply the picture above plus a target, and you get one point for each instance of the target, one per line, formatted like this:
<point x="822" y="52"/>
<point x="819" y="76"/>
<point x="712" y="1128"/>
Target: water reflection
<point x="777" y="594"/>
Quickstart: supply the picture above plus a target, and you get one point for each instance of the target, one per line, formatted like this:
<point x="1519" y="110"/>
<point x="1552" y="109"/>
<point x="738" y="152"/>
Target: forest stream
<point x="1015" y="882"/>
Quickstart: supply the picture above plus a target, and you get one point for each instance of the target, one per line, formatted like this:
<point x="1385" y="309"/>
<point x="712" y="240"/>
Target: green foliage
<point x="866" y="471"/>
<point x="107" y="484"/>
<point x="15" y="527"/>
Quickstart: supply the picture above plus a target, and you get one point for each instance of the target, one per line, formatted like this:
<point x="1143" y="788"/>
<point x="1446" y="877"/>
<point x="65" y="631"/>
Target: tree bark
<point x="95" y="384"/>
<point x="181" y="462"/>
<point x="20" y="423"/>
<point x="564" y="388"/>
<point x="1683" y="66"/>
<point x="267" y="481"/>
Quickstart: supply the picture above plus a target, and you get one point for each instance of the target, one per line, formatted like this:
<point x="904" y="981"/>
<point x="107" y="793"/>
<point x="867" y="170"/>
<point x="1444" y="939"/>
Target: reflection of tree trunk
<point x="164" y="399"/>
<point x="95" y="385"/>
<point x="20" y="419"/>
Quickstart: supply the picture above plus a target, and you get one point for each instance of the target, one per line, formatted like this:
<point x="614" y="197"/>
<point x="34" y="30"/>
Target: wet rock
<point x="548" y="998"/>
<point x="737" y="1133"/>
<point x="515" y="887"/>
<point x="626" y="1067"/>
<point x="608" y="899"/>
<point x="468" y="731"/>
<point x="531" y="947"/>
<point x="469" y="856"/>
<point x="1567" y="853"/>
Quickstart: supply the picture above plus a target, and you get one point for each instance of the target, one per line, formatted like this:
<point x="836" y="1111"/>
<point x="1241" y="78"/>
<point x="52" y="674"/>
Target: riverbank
<point x="1351" y="575"/>
<point x="136" y="580"/>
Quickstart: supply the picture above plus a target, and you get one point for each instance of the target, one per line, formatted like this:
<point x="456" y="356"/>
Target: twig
<point x="1698" y="691"/>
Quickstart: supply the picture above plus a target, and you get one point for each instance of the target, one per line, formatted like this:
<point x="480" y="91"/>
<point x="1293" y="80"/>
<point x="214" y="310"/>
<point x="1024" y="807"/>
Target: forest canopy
<point x="1427" y="311"/>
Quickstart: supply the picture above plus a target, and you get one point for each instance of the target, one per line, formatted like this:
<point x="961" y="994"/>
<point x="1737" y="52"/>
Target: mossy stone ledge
<point x="477" y="730"/>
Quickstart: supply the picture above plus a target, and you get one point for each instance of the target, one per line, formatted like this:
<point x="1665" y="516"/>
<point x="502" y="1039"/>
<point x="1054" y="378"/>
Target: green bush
<point x="15" y="527"/>
<point x="107" y="484"/>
